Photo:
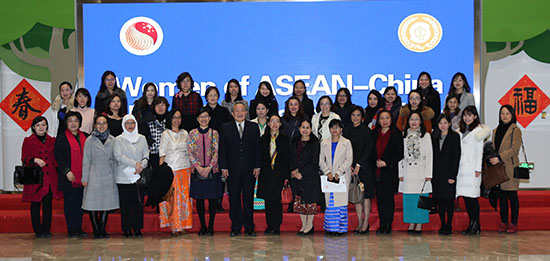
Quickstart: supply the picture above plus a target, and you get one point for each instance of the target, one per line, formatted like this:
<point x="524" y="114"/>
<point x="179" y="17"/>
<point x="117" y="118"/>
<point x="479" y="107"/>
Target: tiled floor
<point x="525" y="245"/>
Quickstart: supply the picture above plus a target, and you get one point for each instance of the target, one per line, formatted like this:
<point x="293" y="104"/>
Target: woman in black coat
<point x="388" y="152"/>
<point x="299" y="91"/>
<point x="69" y="153"/>
<point x="430" y="97"/>
<point x="273" y="173"/>
<point x="304" y="166"/>
<point x="362" y="141"/>
<point x="446" y="159"/>
<point x="264" y="95"/>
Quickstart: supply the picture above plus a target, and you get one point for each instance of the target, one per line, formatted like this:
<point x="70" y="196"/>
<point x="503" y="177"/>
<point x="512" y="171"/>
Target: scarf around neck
<point x="77" y="155"/>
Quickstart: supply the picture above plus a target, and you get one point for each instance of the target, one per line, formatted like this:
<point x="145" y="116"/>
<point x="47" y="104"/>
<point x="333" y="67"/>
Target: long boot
<point x="475" y="229"/>
<point x="95" y="224"/>
<point x="104" y="216"/>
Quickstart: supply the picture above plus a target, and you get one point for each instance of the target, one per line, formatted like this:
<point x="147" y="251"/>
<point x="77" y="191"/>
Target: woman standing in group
<point x="374" y="106"/>
<point x="143" y="106"/>
<point x="461" y="89"/>
<point x="232" y="95"/>
<point x="299" y="91"/>
<point x="274" y="147"/>
<point x="389" y="151"/>
<point x="335" y="162"/>
<point x="61" y="105"/>
<point x="38" y="149"/>
<point x="293" y="115"/>
<point x="323" y="117"/>
<point x="304" y="165"/>
<point x="176" y="212"/>
<point x="343" y="105"/>
<point x="392" y="103"/>
<point x="99" y="177"/>
<point x="114" y="115"/>
<point x="108" y="87"/>
<point x="415" y="105"/>
<point x="132" y="154"/>
<point x="82" y="104"/>
<point x="468" y="180"/>
<point x="153" y="127"/>
<point x="430" y="97"/>
<point x="362" y="141"/>
<point x="415" y="172"/>
<point x="266" y="96"/>
<point x="69" y="151"/>
<point x="453" y="110"/>
<point x="203" y="154"/>
<point x="507" y="139"/>
<point x="262" y="112"/>
<point x="187" y="101"/>
<point x="218" y="114"/>
<point x="446" y="159"/>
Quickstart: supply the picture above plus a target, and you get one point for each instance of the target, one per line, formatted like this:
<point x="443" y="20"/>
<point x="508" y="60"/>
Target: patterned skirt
<point x="304" y="208"/>
<point x="177" y="211"/>
<point x="411" y="212"/>
<point x="336" y="218"/>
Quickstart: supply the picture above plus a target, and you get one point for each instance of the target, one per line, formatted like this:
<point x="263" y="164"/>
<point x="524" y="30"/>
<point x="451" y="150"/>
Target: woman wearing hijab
<point x="98" y="176"/>
<point x="132" y="154"/>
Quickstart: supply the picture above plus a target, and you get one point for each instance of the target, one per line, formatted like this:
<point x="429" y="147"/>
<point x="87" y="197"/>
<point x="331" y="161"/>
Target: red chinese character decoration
<point x="23" y="104"/>
<point x="527" y="99"/>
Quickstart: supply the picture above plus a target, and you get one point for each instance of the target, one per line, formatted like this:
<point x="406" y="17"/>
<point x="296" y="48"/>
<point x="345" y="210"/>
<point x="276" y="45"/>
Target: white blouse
<point x="173" y="146"/>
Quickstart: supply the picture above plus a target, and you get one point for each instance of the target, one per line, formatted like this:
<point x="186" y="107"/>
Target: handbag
<point x="286" y="194"/>
<point x="28" y="175"/>
<point x="145" y="177"/>
<point x="356" y="190"/>
<point x="522" y="171"/>
<point x="426" y="202"/>
<point x="493" y="175"/>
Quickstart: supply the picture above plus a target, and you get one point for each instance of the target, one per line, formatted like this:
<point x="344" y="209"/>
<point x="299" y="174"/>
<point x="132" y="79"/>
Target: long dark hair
<point x="422" y="126"/>
<point x="397" y="97"/>
<point x="312" y="138"/>
<point x="466" y="86"/>
<point x="437" y="132"/>
<point x="511" y="110"/>
<point x="335" y="105"/>
<point x="142" y="101"/>
<point x="473" y="111"/>
<point x="169" y="119"/>
<point x="108" y="103"/>
<point x="430" y="86"/>
<point x="446" y="109"/>
<point x="270" y="96"/>
<point x="103" y="87"/>
<point x="299" y="114"/>
<point x="227" y="97"/>
<point x="318" y="108"/>
<point x="294" y="87"/>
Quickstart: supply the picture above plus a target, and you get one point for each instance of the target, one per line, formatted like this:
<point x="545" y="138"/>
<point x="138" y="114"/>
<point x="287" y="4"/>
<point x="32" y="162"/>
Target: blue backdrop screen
<point x="329" y="45"/>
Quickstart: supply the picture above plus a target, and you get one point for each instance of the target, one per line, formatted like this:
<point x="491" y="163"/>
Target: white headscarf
<point x="130" y="136"/>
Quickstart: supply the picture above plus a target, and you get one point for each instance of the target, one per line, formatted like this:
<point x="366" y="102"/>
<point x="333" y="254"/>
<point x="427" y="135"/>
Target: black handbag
<point x="522" y="171"/>
<point x="210" y="175"/>
<point x="427" y="203"/>
<point x="28" y="175"/>
<point x="145" y="177"/>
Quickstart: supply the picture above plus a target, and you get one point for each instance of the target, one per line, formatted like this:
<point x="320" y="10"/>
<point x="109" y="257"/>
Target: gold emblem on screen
<point x="420" y="32"/>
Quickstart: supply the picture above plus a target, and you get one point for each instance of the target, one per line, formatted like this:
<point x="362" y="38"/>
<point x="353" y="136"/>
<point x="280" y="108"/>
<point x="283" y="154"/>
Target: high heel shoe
<point x="310" y="232"/>
<point x="475" y="229"/>
<point x="364" y="231"/>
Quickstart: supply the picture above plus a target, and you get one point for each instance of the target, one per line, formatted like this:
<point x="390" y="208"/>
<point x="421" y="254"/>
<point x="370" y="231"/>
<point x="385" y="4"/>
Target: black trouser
<point x="274" y="214"/>
<point x="446" y="206"/>
<point x="504" y="196"/>
<point x="241" y="183"/>
<point x="131" y="209"/>
<point x="72" y="206"/>
<point x="386" y="203"/>
<point x="44" y="226"/>
<point x="212" y="207"/>
<point x="472" y="206"/>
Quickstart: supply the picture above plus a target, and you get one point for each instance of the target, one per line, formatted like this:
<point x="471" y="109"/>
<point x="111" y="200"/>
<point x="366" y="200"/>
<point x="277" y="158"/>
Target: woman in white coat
<point x="321" y="120"/>
<point x="468" y="181"/>
<point x="335" y="162"/>
<point x="415" y="172"/>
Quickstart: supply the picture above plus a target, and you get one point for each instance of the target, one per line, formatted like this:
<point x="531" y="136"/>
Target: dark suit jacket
<point x="239" y="155"/>
<point x="389" y="175"/>
<point x="307" y="105"/>
<point x="309" y="187"/>
<point x="445" y="165"/>
<point x="271" y="181"/>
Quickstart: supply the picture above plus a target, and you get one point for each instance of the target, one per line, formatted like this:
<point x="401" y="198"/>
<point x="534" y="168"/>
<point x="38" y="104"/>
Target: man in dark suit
<point x="239" y="159"/>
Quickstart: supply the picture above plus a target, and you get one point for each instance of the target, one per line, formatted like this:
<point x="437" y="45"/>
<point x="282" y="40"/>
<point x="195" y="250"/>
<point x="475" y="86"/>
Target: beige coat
<point x="508" y="152"/>
<point x="343" y="158"/>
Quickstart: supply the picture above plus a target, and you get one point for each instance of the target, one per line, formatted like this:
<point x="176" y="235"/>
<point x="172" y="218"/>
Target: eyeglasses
<point x="415" y="99"/>
<point x="110" y="79"/>
<point x="325" y="103"/>
<point x="101" y="123"/>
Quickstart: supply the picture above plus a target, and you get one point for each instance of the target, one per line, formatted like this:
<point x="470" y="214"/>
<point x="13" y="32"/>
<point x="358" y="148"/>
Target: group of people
<point x="94" y="157"/>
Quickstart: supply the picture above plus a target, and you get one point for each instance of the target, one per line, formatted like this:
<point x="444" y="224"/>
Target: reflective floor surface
<point x="525" y="245"/>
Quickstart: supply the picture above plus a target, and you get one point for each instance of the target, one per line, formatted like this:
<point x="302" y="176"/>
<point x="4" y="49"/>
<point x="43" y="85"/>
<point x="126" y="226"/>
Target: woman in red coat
<point x="38" y="150"/>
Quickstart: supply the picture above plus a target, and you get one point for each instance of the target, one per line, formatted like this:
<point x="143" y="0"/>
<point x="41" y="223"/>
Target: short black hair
<point x="358" y="108"/>
<point x="335" y="122"/>
<point x="67" y="83"/>
<point x="203" y="110"/>
<point x="422" y="126"/>
<point x="169" y="119"/>
<point x="182" y="77"/>
<point x="73" y="114"/>
<point x="101" y="116"/>
<point x="159" y="100"/>
<point x="38" y="119"/>
<point x="84" y="92"/>
<point x="212" y="88"/>
<point x="318" y="108"/>
<point x="348" y="95"/>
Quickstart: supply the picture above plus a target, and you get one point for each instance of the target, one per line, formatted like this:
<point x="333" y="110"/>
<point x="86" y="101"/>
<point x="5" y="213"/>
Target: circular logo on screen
<point x="141" y="35"/>
<point x="420" y="32"/>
